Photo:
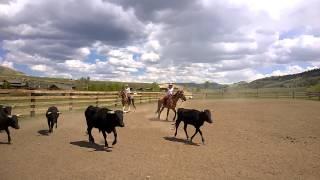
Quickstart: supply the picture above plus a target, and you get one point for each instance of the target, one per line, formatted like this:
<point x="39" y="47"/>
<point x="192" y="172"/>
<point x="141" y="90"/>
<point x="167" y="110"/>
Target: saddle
<point x="167" y="100"/>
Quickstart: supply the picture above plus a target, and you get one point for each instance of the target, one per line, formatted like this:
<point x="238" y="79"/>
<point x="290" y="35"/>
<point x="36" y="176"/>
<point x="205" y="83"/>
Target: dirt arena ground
<point x="249" y="139"/>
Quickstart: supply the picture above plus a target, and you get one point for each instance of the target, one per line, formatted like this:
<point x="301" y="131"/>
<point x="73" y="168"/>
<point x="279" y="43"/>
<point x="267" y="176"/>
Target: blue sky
<point x="146" y="41"/>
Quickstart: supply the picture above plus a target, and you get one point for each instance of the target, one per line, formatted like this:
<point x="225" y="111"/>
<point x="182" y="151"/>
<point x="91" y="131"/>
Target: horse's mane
<point x="178" y="92"/>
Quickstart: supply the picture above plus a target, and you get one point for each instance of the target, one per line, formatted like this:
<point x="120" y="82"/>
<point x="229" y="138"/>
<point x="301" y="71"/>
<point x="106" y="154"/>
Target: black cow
<point x="7" y="120"/>
<point x="193" y="117"/>
<point x="6" y="109"/>
<point x="106" y="120"/>
<point x="52" y="115"/>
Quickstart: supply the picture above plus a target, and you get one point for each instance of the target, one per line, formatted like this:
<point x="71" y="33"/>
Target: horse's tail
<point x="132" y="100"/>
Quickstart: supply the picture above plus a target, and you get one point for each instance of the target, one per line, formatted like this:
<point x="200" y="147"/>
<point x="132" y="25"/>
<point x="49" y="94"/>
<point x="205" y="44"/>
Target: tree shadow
<point x="44" y="132"/>
<point x="86" y="144"/>
<point x="174" y="139"/>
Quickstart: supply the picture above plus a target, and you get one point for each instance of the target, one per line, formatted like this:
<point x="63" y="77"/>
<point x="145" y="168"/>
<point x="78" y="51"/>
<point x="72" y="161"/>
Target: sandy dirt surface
<point x="249" y="139"/>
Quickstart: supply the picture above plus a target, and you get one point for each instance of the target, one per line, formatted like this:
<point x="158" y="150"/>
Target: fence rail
<point x="36" y="102"/>
<point x="259" y="94"/>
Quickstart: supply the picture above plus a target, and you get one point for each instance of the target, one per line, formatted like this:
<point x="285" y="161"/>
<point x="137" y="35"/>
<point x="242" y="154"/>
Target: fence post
<point x="97" y="100"/>
<point x="32" y="104"/>
<point x="293" y="94"/>
<point x="70" y="102"/>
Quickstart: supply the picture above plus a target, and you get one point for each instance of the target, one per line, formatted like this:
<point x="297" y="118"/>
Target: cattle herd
<point x="106" y="120"/>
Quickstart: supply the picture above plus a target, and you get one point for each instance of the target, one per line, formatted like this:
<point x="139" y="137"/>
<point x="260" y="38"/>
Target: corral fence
<point x="37" y="102"/>
<point x="260" y="93"/>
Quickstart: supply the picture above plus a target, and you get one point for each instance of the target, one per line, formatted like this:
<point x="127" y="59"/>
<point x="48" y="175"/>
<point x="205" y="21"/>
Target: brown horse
<point x="126" y="101"/>
<point x="170" y="104"/>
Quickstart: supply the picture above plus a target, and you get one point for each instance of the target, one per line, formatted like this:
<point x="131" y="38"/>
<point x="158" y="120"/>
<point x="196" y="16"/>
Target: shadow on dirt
<point x="4" y="142"/>
<point x="160" y="120"/>
<point x="86" y="144"/>
<point x="44" y="132"/>
<point x="174" y="139"/>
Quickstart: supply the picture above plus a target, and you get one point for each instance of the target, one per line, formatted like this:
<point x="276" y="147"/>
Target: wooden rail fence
<point x="37" y="102"/>
<point x="262" y="94"/>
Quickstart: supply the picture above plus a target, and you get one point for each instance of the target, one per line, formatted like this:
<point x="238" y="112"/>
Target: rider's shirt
<point x="127" y="90"/>
<point x="170" y="91"/>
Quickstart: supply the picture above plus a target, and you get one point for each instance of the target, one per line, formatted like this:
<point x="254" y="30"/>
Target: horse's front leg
<point x="160" y="112"/>
<point x="167" y="114"/>
<point x="123" y="107"/>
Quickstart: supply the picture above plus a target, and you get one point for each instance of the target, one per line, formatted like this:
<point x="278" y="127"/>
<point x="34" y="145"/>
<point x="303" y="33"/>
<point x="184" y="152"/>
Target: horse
<point x="170" y="104"/>
<point x="125" y="101"/>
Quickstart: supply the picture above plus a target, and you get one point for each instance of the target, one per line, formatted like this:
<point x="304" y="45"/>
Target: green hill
<point x="304" y="79"/>
<point x="5" y="71"/>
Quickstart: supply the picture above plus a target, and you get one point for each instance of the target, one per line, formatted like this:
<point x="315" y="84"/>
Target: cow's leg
<point x="8" y="133"/>
<point x="197" y="130"/>
<point x="201" y="136"/>
<point x="115" y="136"/>
<point x="167" y="114"/>
<point x="105" y="139"/>
<point x="160" y="112"/>
<point x="177" y="126"/>
<point x="185" y="129"/>
<point x="175" y="114"/>
<point x="50" y="126"/>
<point x="91" y="139"/>
<point x="57" y="124"/>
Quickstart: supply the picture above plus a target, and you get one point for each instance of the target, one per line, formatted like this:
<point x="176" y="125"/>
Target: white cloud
<point x="150" y="56"/>
<point x="292" y="69"/>
<point x="222" y="41"/>
<point x="78" y="65"/>
<point x="83" y="52"/>
<point x="40" y="67"/>
<point x="7" y="64"/>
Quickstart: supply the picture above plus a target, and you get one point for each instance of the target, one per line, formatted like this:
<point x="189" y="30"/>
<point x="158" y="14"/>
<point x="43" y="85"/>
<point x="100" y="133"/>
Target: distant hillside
<point x="240" y="84"/>
<point x="210" y="85"/>
<point x="304" y="79"/>
<point x="5" y="71"/>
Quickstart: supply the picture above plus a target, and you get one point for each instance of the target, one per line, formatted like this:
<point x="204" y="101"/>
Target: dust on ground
<point x="249" y="139"/>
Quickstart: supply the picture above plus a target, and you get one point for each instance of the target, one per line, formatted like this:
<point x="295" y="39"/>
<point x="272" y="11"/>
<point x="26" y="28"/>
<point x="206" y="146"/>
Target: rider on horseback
<point x="128" y="91"/>
<point x="169" y="93"/>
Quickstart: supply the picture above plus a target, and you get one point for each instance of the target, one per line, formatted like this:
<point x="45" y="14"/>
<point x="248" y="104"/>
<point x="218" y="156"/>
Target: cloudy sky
<point x="220" y="41"/>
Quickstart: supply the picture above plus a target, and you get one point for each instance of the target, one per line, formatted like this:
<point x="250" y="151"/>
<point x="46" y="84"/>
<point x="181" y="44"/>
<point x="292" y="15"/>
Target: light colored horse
<point x="170" y="104"/>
